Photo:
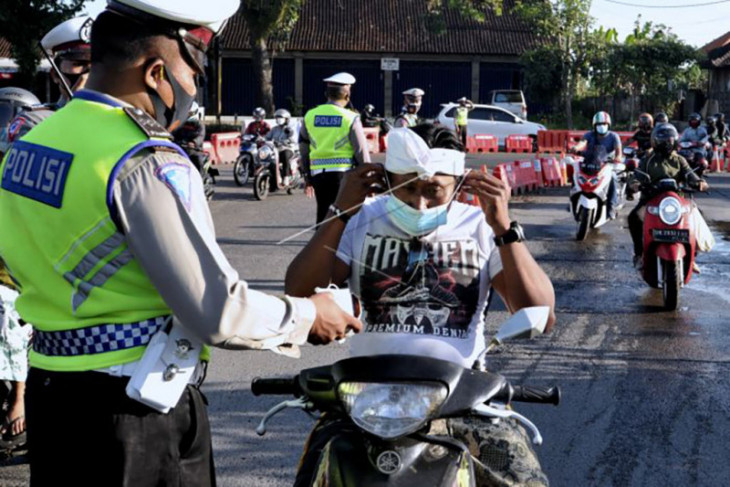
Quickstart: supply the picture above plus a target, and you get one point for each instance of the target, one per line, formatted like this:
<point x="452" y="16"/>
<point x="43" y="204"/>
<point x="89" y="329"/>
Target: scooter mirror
<point x="526" y="323"/>
<point x="628" y="151"/>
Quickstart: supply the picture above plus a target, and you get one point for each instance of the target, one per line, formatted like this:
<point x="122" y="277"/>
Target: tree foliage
<point x="23" y="23"/>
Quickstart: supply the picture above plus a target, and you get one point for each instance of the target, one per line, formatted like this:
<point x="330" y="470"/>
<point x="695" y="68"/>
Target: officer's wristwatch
<point x="514" y="234"/>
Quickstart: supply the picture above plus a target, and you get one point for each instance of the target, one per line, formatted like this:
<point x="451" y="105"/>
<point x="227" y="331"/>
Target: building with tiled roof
<point x="718" y="66"/>
<point x="469" y="58"/>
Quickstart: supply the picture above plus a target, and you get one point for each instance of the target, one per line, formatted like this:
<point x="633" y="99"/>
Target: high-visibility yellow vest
<point x="60" y="242"/>
<point x="329" y="127"/>
<point x="462" y="116"/>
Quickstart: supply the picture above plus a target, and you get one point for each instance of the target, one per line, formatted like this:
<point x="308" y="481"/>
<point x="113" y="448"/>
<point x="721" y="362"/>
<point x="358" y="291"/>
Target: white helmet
<point x="282" y="116"/>
<point x="259" y="113"/>
<point x="601" y="122"/>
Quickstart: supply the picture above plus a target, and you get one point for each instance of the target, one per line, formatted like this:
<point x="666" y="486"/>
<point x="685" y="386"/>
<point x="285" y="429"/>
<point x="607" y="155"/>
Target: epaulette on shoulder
<point x="147" y="124"/>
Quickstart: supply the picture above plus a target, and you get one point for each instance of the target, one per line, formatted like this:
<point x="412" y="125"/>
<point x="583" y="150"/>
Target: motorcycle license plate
<point x="671" y="235"/>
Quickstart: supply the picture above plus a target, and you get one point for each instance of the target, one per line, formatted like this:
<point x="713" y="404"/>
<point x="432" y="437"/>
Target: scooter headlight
<point x="265" y="152"/>
<point x="391" y="410"/>
<point x="670" y="211"/>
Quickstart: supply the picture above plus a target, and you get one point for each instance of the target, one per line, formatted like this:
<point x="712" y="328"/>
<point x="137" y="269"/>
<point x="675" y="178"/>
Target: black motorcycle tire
<point x="672" y="284"/>
<point x="241" y="170"/>
<point x="208" y="186"/>
<point x="261" y="185"/>
<point x="584" y="224"/>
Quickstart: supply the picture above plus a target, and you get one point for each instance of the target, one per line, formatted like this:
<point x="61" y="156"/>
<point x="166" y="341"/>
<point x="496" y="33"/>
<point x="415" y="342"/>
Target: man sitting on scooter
<point x="369" y="118"/>
<point x="601" y="135"/>
<point x="713" y="134"/>
<point x="423" y="266"/>
<point x="190" y="136"/>
<point x="642" y="136"/>
<point x="283" y="137"/>
<point x="697" y="135"/>
<point x="259" y="127"/>
<point x="663" y="163"/>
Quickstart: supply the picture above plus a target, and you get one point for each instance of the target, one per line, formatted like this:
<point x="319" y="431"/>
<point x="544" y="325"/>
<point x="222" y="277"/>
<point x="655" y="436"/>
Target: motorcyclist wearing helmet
<point x="722" y="129"/>
<point x="259" y="127"/>
<point x="282" y="135"/>
<point x="662" y="163"/>
<point x="368" y="117"/>
<point x="602" y="136"/>
<point x="13" y="102"/>
<point x="696" y="134"/>
<point x="642" y="136"/>
<point x="660" y="117"/>
<point x="712" y="132"/>
<point x="190" y="136"/>
<point x="412" y="101"/>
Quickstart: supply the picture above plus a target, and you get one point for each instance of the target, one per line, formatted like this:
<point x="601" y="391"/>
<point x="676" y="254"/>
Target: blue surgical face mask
<point x="415" y="222"/>
<point x="602" y="128"/>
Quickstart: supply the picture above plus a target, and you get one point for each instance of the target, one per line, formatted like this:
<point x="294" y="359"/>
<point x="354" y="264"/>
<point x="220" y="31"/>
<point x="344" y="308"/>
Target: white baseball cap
<point x="341" y="79"/>
<point x="408" y="153"/>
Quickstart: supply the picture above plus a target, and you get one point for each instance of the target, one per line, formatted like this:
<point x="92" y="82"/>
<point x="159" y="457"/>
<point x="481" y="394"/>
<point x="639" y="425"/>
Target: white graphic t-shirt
<point x="421" y="296"/>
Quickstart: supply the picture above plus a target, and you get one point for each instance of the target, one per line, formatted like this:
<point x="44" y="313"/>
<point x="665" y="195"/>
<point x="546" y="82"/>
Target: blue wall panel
<point x="442" y="81"/>
<point x="367" y="89"/>
<point x="239" y="85"/>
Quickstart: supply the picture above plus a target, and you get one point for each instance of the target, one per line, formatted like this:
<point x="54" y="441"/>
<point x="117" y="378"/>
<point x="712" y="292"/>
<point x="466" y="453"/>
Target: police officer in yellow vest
<point x="461" y="118"/>
<point x="331" y="141"/>
<point x="114" y="252"/>
<point x="412" y="101"/>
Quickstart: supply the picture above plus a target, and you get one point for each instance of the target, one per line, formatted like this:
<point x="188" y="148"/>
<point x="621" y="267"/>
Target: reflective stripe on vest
<point x="75" y="269"/>
<point x="462" y="115"/>
<point x="329" y="127"/>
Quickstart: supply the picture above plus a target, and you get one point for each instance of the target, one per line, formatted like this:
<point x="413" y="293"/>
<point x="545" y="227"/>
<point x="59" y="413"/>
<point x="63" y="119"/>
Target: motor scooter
<point x="243" y="168"/>
<point x="387" y="403"/>
<point x="267" y="171"/>
<point x="669" y="238"/>
<point x="692" y="151"/>
<point x="589" y="194"/>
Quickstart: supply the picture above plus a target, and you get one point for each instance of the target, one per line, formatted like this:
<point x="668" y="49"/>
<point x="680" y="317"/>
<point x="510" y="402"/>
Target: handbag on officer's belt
<point x="166" y="368"/>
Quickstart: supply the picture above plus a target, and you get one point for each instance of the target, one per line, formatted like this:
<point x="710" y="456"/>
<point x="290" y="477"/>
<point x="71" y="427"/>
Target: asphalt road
<point x="646" y="393"/>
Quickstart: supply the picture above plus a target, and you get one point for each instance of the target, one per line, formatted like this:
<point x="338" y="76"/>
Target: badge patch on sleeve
<point x="37" y="172"/>
<point x="176" y="177"/>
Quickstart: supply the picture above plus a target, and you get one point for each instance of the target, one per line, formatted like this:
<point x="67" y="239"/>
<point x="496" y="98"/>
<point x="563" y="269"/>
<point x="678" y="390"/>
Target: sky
<point x="696" y="25"/>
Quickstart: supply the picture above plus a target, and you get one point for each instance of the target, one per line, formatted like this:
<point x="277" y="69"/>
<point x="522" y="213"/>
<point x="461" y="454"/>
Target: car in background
<point x="511" y="100"/>
<point x="491" y="120"/>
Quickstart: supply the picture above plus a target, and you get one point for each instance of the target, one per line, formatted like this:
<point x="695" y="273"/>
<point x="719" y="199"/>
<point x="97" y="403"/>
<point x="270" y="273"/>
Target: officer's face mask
<point x="181" y="103"/>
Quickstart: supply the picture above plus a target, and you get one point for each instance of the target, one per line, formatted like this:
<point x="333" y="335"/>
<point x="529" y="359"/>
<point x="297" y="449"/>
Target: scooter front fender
<point x="347" y="461"/>
<point x="589" y="203"/>
<point x="671" y="252"/>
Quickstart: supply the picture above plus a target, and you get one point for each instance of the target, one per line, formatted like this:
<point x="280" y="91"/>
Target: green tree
<point x="270" y="23"/>
<point x="565" y="26"/>
<point x="23" y="23"/>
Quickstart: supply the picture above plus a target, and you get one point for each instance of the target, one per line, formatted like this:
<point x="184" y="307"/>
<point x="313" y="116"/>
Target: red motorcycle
<point x="669" y="240"/>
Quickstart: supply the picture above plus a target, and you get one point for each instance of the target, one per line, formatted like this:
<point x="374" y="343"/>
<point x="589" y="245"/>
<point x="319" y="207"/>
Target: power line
<point x="667" y="6"/>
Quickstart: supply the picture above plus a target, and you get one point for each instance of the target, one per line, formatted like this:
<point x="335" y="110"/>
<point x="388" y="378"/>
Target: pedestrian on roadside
<point x="461" y="118"/>
<point x="331" y="142"/>
<point x="122" y="277"/>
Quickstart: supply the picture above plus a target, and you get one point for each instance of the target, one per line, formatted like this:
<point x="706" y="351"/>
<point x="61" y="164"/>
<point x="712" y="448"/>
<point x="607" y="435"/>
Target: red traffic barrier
<point x="526" y="176"/>
<point x="537" y="165"/>
<point x="506" y="173"/>
<point x="482" y="143"/>
<point x="551" y="172"/>
<point x="551" y="140"/>
<point x="468" y="198"/>
<point x="518" y="143"/>
<point x="373" y="137"/>
<point x="226" y="145"/>
<point x="715" y="161"/>
<point x="208" y="149"/>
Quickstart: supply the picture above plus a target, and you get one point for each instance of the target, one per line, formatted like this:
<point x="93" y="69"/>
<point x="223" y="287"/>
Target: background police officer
<point x="112" y="235"/>
<point x="331" y="141"/>
<point x="461" y="118"/>
<point x="412" y="101"/>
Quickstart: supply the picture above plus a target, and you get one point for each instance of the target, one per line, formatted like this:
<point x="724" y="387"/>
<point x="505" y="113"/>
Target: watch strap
<point x="339" y="213"/>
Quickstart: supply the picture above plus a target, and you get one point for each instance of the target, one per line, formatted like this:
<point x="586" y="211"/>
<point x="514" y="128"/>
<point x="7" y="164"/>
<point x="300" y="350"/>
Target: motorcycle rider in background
<point x="282" y="135"/>
<point x="660" y="117"/>
<point x="412" y="100"/>
<point x="642" y="136"/>
<point x="190" y="136"/>
<point x="662" y="163"/>
<point x="259" y="127"/>
<point x="722" y="129"/>
<point x="601" y="135"/>
<point x="13" y="102"/>
<point x="696" y="134"/>
<point x="715" y="138"/>
<point x="369" y="118"/>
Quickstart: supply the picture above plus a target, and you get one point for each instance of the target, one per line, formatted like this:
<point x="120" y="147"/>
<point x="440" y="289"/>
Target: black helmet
<point x="694" y="120"/>
<point x="369" y="109"/>
<point x="711" y="120"/>
<point x="13" y="101"/>
<point x="646" y="122"/>
<point x="664" y="138"/>
<point x="720" y="117"/>
<point x="661" y="117"/>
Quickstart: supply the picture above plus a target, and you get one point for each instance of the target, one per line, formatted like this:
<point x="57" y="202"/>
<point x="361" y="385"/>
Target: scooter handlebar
<point x="261" y="386"/>
<point x="542" y="395"/>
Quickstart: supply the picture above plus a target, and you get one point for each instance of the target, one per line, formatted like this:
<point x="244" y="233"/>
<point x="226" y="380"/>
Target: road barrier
<point x="482" y="143"/>
<point x="226" y="146"/>
<point x="372" y="135"/>
<point x="208" y="149"/>
<point x="551" y="172"/>
<point x="716" y="163"/>
<point x="518" y="143"/>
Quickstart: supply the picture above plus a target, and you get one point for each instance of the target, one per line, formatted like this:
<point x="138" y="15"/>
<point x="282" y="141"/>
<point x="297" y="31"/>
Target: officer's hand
<point x="331" y="323"/>
<point x="358" y="184"/>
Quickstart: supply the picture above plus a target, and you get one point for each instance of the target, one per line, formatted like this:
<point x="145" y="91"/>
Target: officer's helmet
<point x="664" y="139"/>
<point x="13" y="101"/>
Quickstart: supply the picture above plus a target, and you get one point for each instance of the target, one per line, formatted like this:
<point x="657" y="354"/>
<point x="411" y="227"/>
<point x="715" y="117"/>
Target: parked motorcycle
<point x="389" y="401"/>
<point x="669" y="239"/>
<point x="267" y="171"/>
<point x="589" y="194"/>
<point x="692" y="151"/>
<point x="243" y="168"/>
